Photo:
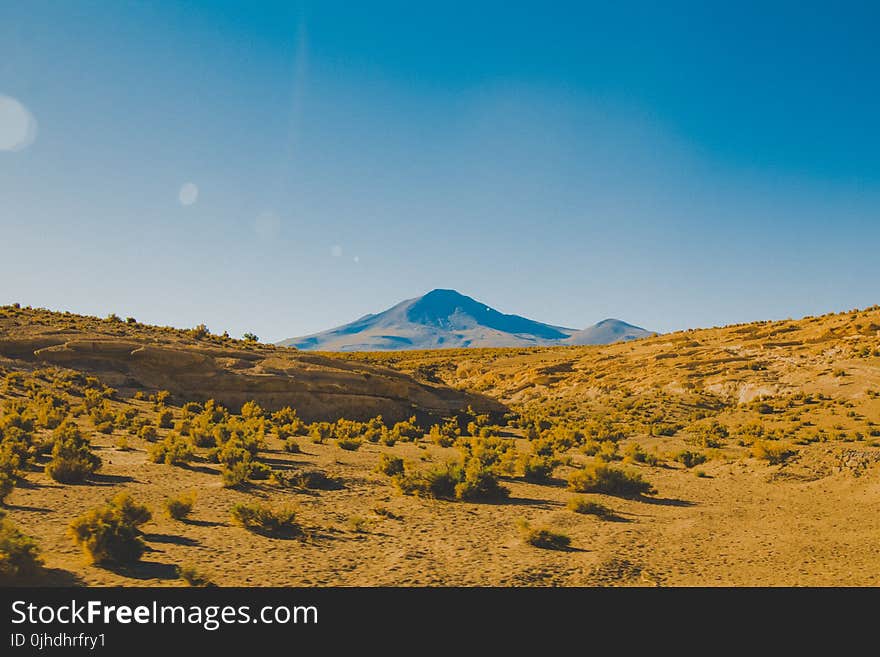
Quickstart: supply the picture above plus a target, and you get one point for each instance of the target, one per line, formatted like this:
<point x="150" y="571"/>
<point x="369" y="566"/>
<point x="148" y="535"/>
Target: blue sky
<point x="694" y="164"/>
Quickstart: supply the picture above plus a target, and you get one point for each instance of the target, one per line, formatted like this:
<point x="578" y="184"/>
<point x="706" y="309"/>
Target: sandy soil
<point x="746" y="523"/>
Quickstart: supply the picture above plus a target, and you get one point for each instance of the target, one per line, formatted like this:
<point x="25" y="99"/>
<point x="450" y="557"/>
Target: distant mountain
<point x="606" y="332"/>
<point x="446" y="319"/>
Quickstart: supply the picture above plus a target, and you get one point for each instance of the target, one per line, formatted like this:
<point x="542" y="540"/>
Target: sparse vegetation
<point x="72" y="459"/>
<point x="390" y="465"/>
<point x="193" y="577"/>
<point x="601" y="478"/>
<point x="110" y="533"/>
<point x="601" y="417"/>
<point x="544" y="537"/>
<point x="690" y="459"/>
<point x="471" y="481"/>
<point x="265" y="521"/>
<point x="174" y="449"/>
<point x="19" y="554"/>
<point x="181" y="506"/>
<point x="772" y="452"/>
<point x="588" y="507"/>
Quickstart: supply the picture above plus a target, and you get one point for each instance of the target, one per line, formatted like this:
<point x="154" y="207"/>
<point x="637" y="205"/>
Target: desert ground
<point x="761" y="443"/>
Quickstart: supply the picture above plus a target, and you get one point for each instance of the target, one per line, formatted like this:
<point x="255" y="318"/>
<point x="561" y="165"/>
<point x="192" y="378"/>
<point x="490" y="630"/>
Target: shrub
<point x="471" y="481"/>
<point x="19" y="554"/>
<point x="181" y="506"/>
<point x="408" y="429"/>
<point x="193" y="577"/>
<point x="708" y="435"/>
<point x="265" y="521"/>
<point x="635" y="453"/>
<point x="390" y="465"/>
<point x="260" y="470"/>
<point x="690" y="459"/>
<point x="774" y="453"/>
<point x="250" y="337"/>
<point x="7" y="483"/>
<point x="588" y="507"/>
<point x="174" y="449"/>
<point x="165" y="419"/>
<point x="235" y="474"/>
<point x="132" y="513"/>
<point x="445" y="434"/>
<point x="201" y="437"/>
<point x="72" y="458"/>
<point x="602" y="478"/>
<point x="106" y="537"/>
<point x="291" y="446"/>
<point x="479" y="483"/>
<point x="252" y="410"/>
<point x="538" y="469"/>
<point x="320" y="431"/>
<point x="437" y="482"/>
<point x="148" y="433"/>
<point x="313" y="480"/>
<point x="349" y="444"/>
<point x="200" y="332"/>
<point x="543" y="537"/>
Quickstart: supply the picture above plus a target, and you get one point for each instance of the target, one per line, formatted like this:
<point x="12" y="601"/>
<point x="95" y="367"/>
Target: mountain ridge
<point x="445" y="318"/>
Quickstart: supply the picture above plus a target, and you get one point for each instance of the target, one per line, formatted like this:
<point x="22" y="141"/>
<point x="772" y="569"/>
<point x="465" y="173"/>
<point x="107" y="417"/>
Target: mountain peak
<point x="448" y="318"/>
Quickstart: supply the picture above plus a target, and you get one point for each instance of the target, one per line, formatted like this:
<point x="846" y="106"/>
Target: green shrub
<point x="19" y="554"/>
<point x="106" y="536"/>
<point x="538" y="469"/>
<point x="349" y="444"/>
<point x="690" y="459"/>
<point x="445" y="434"/>
<point x="710" y="434"/>
<point x="235" y="474"/>
<point x="165" y="419"/>
<point x="132" y="513"/>
<point x="193" y="577"/>
<point x="174" y="449"/>
<point x="147" y="432"/>
<point x="602" y="478"/>
<point x="438" y="482"/>
<point x="635" y="453"/>
<point x="320" y="431"/>
<point x="774" y="453"/>
<point x="181" y="506"/>
<point x="588" y="507"/>
<point x="453" y="481"/>
<point x="543" y="537"/>
<point x="260" y="471"/>
<point x="202" y="437"/>
<point x="313" y="480"/>
<point x="390" y="465"/>
<point x="479" y="483"/>
<point x="408" y="429"/>
<point x="7" y="483"/>
<point x="72" y="459"/>
<point x="268" y="522"/>
<point x="291" y="446"/>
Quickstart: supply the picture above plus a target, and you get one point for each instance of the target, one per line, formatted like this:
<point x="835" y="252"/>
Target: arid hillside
<point x="195" y="365"/>
<point x="809" y="380"/>
<point x="743" y="455"/>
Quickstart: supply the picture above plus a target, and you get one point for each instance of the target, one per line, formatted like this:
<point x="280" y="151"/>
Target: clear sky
<point x="283" y="168"/>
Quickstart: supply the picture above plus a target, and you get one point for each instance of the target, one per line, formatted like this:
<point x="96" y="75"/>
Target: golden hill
<point x="195" y="365"/>
<point x="814" y="378"/>
<point x="743" y="455"/>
